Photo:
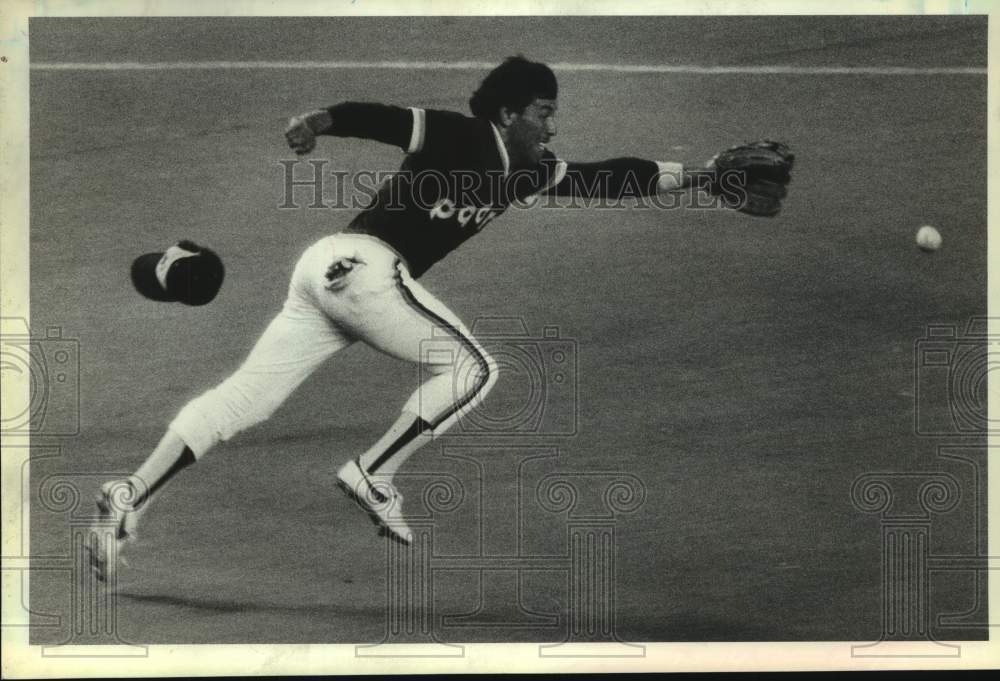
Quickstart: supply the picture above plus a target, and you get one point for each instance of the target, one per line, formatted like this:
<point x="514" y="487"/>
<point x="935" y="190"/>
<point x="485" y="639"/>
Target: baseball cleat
<point x="116" y="524"/>
<point x="378" y="498"/>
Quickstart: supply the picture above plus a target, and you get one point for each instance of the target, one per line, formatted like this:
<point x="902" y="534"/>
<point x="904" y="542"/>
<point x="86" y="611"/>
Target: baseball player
<point x="360" y="284"/>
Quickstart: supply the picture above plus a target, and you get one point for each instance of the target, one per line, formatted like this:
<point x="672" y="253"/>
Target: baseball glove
<point x="753" y="178"/>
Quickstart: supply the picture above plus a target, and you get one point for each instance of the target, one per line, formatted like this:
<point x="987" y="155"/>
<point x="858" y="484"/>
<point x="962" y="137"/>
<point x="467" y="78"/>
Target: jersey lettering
<point x="445" y="209"/>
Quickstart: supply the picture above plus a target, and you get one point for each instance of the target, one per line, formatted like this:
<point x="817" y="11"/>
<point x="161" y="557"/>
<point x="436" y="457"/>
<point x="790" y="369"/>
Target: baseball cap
<point x="185" y="273"/>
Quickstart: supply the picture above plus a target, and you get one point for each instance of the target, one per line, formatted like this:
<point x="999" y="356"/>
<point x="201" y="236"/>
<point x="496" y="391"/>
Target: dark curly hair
<point x="514" y="84"/>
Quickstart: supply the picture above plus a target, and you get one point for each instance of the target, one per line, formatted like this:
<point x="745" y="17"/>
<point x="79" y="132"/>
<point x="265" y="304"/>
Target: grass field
<point x="747" y="372"/>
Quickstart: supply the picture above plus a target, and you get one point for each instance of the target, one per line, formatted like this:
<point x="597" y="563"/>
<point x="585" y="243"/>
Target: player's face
<point x="529" y="131"/>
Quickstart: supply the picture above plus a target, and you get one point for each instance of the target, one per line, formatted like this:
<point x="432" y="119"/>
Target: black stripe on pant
<point x="420" y="425"/>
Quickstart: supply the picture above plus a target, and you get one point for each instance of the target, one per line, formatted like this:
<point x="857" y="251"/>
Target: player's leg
<point x="295" y="343"/>
<point x="399" y="317"/>
<point x="287" y="353"/>
<point x="460" y="374"/>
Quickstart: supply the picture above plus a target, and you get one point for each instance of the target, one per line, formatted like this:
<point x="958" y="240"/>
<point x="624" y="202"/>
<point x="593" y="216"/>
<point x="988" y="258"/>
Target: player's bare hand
<point x="302" y="130"/>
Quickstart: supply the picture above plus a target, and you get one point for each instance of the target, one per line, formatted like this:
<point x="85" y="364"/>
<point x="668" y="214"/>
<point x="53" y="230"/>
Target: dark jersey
<point x="456" y="178"/>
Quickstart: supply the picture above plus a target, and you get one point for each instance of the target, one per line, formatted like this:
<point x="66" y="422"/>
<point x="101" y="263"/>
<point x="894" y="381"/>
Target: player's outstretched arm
<point x="379" y="122"/>
<point x="751" y="178"/>
<point x="618" y="178"/>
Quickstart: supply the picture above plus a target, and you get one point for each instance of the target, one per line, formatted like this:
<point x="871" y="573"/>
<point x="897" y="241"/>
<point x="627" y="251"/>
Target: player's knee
<point x="491" y="372"/>
<point x="479" y="373"/>
<point x="220" y="413"/>
<point x="243" y="406"/>
<point x="195" y="425"/>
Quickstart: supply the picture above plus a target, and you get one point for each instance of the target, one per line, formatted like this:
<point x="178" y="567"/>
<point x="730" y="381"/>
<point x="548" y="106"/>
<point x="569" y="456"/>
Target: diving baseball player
<point x="360" y="284"/>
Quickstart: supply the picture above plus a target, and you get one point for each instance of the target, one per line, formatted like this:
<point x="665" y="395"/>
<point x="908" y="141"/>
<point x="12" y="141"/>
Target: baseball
<point x="928" y="238"/>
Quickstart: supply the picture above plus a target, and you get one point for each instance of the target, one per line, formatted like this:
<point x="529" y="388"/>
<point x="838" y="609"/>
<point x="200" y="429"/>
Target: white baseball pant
<point x="346" y="287"/>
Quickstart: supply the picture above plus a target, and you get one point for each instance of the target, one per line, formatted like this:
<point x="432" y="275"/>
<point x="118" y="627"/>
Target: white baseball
<point x="928" y="238"/>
